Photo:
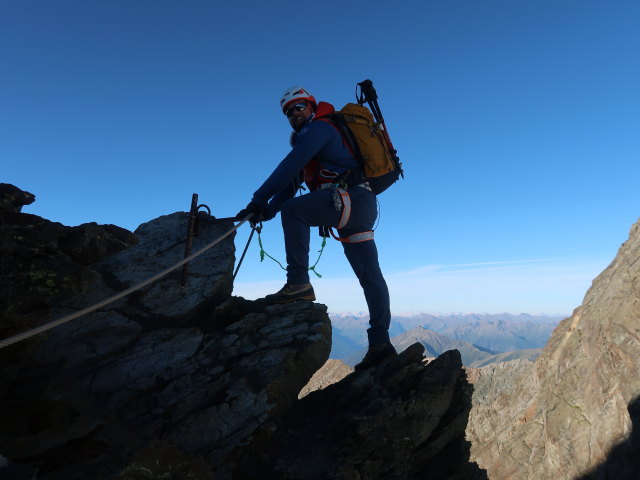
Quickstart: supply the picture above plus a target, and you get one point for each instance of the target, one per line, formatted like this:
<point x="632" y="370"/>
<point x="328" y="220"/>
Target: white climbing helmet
<point x="294" y="94"/>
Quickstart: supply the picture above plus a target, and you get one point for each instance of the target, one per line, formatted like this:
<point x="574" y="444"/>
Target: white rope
<point x="48" y="326"/>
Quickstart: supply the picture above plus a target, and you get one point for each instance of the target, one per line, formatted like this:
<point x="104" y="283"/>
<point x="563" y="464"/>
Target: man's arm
<point x="309" y="141"/>
<point x="282" y="196"/>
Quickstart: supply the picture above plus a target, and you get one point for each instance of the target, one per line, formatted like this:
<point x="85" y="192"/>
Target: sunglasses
<point x="298" y="107"/>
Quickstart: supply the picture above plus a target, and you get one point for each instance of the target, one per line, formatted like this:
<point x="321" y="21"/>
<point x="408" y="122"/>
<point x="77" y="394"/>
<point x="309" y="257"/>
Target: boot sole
<point x="308" y="298"/>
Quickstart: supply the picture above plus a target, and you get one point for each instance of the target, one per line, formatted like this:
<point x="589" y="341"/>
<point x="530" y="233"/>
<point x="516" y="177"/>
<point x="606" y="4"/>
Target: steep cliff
<point x="564" y="415"/>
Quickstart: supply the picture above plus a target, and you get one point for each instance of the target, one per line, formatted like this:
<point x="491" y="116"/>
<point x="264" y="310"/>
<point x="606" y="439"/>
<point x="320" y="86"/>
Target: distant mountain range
<point x="436" y="344"/>
<point x="480" y="338"/>
<point x="499" y="333"/>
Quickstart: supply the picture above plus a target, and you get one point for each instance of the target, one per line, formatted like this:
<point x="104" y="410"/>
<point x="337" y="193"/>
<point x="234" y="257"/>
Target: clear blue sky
<point x="517" y="122"/>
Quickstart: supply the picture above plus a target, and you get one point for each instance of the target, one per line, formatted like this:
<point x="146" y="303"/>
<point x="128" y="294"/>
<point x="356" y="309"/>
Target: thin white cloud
<point x="545" y="286"/>
<point x="475" y="265"/>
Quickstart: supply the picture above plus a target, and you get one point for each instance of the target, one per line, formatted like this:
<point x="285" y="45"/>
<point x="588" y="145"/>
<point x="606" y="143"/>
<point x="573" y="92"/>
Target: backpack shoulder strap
<point x="337" y="121"/>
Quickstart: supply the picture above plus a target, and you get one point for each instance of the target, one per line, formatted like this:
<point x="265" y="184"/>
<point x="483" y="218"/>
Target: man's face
<point x="298" y="113"/>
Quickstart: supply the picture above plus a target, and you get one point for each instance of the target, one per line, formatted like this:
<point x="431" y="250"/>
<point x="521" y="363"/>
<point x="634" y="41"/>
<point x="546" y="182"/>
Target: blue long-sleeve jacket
<point x="317" y="139"/>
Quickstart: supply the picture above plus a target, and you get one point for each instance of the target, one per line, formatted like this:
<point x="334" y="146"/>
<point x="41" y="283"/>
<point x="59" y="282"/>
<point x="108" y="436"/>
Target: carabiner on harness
<point x="342" y="202"/>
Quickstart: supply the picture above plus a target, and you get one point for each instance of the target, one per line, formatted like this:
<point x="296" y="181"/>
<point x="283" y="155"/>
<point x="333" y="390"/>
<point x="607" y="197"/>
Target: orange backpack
<point x="366" y="136"/>
<point x="369" y="144"/>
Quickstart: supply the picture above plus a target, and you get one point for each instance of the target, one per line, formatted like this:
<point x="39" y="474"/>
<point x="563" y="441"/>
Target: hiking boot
<point x="376" y="355"/>
<point x="292" y="292"/>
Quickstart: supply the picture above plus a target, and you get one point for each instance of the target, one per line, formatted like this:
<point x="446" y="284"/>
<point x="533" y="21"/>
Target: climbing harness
<point x="342" y="202"/>
<point x="67" y="318"/>
<point x="345" y="199"/>
<point x="355" y="238"/>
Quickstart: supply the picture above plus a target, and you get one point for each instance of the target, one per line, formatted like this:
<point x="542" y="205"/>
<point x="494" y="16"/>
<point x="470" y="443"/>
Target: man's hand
<point x="253" y="209"/>
<point x="268" y="213"/>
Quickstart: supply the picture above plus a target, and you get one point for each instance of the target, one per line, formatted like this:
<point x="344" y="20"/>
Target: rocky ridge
<point x="572" y="412"/>
<point x="191" y="383"/>
<point x="436" y="344"/>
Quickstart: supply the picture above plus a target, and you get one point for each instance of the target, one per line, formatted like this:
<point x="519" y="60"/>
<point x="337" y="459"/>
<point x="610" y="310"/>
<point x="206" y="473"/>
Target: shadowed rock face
<point x="401" y="420"/>
<point x="178" y="383"/>
<point x="43" y="263"/>
<point x="211" y="395"/>
<point x="560" y="418"/>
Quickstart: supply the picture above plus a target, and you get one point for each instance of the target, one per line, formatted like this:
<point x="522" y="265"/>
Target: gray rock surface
<point x="162" y="245"/>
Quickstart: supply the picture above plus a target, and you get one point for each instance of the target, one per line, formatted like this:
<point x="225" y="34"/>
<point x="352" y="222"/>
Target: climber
<point x="320" y="158"/>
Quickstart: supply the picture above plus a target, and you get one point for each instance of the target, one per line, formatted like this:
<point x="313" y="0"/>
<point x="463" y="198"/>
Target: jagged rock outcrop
<point x="188" y="382"/>
<point x="331" y="372"/>
<point x="561" y="417"/>
<point x="398" y="421"/>
<point x="12" y="199"/>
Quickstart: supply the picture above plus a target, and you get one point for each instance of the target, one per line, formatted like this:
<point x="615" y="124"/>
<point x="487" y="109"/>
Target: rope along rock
<point x="67" y="318"/>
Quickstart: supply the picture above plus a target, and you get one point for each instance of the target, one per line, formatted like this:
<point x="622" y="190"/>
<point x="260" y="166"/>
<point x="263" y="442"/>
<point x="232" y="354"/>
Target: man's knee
<point x="290" y="209"/>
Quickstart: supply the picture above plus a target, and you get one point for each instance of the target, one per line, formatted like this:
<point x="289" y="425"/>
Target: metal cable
<point x="67" y="318"/>
<point x="253" y="230"/>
